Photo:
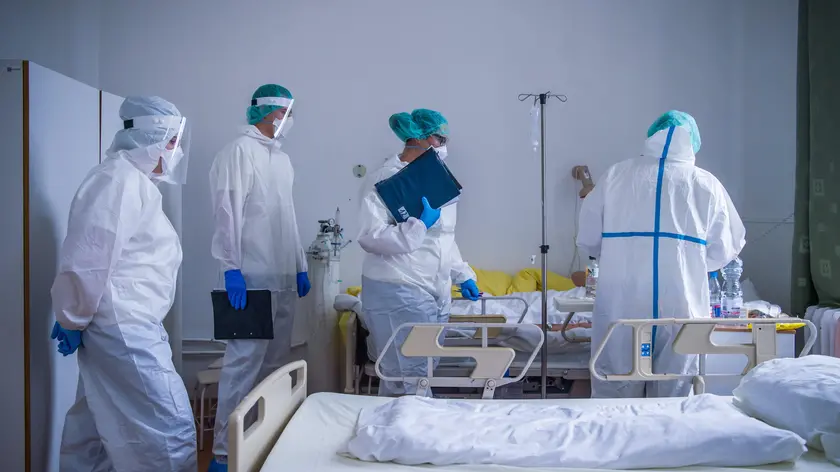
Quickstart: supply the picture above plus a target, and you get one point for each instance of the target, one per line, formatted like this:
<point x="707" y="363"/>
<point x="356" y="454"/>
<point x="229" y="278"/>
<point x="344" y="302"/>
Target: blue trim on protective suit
<point x="650" y="234"/>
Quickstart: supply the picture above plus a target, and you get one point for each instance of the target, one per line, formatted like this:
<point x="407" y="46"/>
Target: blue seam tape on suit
<point x="656" y="227"/>
<point x="650" y="234"/>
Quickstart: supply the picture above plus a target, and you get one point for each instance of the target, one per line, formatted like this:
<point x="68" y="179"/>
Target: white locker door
<point x="63" y="147"/>
<point x="12" y="392"/>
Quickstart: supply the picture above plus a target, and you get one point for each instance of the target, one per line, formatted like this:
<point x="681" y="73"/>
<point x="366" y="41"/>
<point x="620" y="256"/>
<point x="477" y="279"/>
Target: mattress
<point x="325" y="422"/>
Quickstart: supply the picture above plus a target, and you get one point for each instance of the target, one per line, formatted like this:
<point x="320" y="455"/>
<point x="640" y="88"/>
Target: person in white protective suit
<point x="116" y="283"/>
<point x="658" y="225"/>
<point x="257" y="244"/>
<point x="409" y="267"/>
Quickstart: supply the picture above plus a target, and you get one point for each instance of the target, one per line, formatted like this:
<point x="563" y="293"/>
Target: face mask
<point x="284" y="132"/>
<point x="170" y="159"/>
<point x="441" y="152"/>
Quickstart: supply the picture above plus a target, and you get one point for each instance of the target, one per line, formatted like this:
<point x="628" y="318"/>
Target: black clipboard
<point x="427" y="176"/>
<point x="256" y="321"/>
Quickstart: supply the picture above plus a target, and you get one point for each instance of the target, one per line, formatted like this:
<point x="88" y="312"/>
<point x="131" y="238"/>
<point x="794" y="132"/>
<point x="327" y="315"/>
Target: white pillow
<point x="801" y="395"/>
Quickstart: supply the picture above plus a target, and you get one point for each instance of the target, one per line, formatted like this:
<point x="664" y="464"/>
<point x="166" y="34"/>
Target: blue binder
<point x="427" y="176"/>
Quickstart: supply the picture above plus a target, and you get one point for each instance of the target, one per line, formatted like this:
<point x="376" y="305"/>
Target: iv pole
<point x="543" y="98"/>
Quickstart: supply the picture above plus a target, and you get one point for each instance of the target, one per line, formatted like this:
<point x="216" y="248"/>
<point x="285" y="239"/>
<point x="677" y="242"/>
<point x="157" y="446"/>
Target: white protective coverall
<point x="256" y="232"/>
<point x="658" y="225"/>
<point x="117" y="279"/>
<point x="407" y="276"/>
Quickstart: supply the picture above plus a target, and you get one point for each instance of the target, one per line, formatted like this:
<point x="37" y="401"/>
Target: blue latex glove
<point x="68" y="340"/>
<point x="430" y="215"/>
<point x="469" y="290"/>
<point x="303" y="284"/>
<point x="235" y="286"/>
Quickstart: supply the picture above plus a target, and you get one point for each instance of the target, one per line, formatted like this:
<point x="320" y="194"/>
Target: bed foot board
<point x="276" y="401"/>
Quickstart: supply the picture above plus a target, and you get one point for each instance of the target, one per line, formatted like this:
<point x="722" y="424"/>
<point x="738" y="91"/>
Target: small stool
<point x="205" y="379"/>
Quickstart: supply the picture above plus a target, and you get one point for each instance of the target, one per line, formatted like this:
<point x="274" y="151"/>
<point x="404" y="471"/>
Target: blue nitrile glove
<point x="469" y="290"/>
<point x="429" y="215"/>
<point x="235" y="286"/>
<point x="217" y="466"/>
<point x="303" y="284"/>
<point x="68" y="340"/>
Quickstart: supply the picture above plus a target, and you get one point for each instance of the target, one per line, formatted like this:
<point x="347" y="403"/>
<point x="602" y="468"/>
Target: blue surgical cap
<point x="257" y="113"/>
<point x="133" y="138"/>
<point x="430" y="122"/>
<point x="681" y="119"/>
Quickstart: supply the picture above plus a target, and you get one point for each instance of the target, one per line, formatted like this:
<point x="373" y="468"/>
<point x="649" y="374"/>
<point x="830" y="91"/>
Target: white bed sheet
<point x="325" y="422"/>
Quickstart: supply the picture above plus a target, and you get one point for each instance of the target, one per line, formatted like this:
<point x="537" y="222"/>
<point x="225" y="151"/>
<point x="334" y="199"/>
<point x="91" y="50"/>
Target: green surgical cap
<point x="430" y="122"/>
<point x="257" y="113"/>
<point x="404" y="127"/>
<point x="420" y="124"/>
<point x="681" y="119"/>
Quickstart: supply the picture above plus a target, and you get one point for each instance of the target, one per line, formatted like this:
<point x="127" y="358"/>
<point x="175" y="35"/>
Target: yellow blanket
<point x="497" y="283"/>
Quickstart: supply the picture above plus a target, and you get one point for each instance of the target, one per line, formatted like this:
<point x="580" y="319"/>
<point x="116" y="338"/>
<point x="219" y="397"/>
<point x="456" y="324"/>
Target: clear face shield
<point x="281" y="119"/>
<point x="171" y="152"/>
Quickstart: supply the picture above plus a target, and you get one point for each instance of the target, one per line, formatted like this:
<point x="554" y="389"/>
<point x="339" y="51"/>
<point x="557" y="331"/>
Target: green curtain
<point x="816" y="242"/>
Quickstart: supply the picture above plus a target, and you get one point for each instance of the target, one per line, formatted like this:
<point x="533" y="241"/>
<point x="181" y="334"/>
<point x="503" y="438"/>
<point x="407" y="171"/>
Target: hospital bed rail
<point x="458" y="338"/>
<point x="694" y="338"/>
<point x="491" y="363"/>
<point x="354" y="372"/>
<point x="572" y="306"/>
<point x="276" y="399"/>
<point x="484" y="299"/>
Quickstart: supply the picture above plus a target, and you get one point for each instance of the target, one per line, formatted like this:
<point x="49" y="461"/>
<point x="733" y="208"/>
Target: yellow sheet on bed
<point x="497" y="283"/>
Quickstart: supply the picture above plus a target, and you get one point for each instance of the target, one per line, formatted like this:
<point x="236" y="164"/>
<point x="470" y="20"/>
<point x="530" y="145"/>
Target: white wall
<point x="768" y="68"/>
<point x="62" y="35"/>
<point x="352" y="64"/>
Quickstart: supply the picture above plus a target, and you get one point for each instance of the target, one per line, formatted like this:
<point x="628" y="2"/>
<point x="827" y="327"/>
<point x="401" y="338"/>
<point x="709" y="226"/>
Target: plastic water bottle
<point x="732" y="300"/>
<point x="714" y="295"/>
<point x="591" y="277"/>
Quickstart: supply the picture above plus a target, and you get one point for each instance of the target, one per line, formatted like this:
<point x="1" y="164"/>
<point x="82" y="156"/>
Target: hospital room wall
<point x="768" y="156"/>
<point x="62" y="35"/>
<point x="352" y="64"/>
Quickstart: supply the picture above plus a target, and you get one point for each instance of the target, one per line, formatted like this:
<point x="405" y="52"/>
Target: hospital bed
<point x="567" y="339"/>
<point x="293" y="432"/>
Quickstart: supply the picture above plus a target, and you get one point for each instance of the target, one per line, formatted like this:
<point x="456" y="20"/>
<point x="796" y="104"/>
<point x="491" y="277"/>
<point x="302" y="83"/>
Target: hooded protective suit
<point x="658" y="225"/>
<point x="407" y="275"/>
<point x="118" y="269"/>
<point x="256" y="232"/>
